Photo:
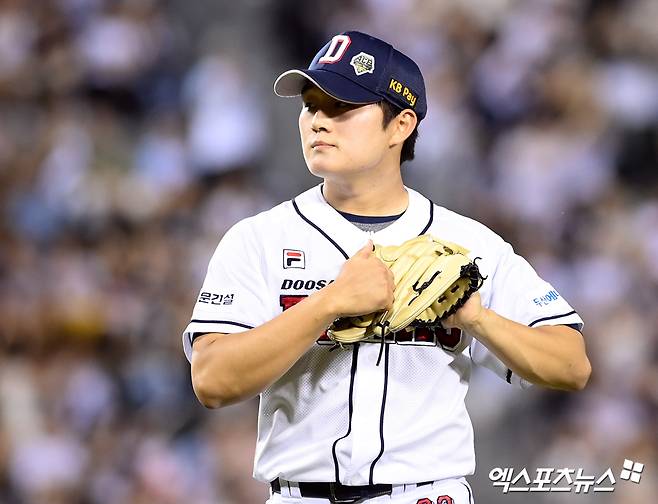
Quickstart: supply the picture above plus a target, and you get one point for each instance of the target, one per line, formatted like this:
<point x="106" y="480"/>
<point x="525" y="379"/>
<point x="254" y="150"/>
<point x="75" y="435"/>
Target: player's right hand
<point x="364" y="285"/>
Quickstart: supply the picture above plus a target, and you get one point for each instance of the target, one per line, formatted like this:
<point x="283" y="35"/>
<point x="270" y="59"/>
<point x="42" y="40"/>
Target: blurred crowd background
<point x="134" y="133"/>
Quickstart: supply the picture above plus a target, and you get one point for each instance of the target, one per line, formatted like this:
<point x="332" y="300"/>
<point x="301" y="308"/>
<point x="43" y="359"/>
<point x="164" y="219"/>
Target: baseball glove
<point x="433" y="278"/>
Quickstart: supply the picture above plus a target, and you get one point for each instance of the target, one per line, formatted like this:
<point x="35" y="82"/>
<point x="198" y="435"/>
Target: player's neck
<point x="374" y="197"/>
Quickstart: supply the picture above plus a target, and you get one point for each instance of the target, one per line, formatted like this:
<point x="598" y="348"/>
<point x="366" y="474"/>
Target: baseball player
<point x="347" y="424"/>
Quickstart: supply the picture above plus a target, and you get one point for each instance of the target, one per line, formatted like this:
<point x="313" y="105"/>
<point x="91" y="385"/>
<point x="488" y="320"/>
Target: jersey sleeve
<point x="518" y="293"/>
<point x="233" y="297"/>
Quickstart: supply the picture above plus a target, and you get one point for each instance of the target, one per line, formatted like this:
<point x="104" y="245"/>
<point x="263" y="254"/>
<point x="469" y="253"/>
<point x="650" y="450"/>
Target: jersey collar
<point x="313" y="208"/>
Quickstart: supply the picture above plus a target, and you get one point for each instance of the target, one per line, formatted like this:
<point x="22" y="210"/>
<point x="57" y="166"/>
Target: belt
<point x="336" y="492"/>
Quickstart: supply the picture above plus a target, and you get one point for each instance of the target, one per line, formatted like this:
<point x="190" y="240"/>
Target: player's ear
<point x="402" y="126"/>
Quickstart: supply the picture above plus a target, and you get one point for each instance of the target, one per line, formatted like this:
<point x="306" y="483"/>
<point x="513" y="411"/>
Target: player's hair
<point x="409" y="146"/>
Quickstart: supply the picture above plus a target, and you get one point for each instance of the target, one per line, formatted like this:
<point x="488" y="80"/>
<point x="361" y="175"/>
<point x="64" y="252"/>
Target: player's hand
<point x="364" y="285"/>
<point x="469" y="315"/>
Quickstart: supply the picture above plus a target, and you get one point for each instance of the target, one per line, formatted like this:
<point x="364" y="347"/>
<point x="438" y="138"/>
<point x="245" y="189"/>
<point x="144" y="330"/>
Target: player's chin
<point x="322" y="168"/>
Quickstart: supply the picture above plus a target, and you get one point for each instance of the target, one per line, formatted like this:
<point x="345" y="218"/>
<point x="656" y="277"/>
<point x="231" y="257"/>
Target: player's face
<point x="340" y="139"/>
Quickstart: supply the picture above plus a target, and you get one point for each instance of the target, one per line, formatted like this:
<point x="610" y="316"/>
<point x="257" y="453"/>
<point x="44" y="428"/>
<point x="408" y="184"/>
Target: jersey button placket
<point x="368" y="393"/>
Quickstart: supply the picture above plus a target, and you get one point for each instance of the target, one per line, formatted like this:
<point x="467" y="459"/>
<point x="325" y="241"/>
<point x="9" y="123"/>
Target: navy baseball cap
<point x="357" y="68"/>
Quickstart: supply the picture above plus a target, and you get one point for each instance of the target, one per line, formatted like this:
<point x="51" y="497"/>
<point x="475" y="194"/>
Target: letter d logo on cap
<point x="336" y="50"/>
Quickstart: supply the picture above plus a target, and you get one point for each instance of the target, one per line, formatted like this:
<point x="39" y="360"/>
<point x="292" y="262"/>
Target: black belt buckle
<point x="341" y="494"/>
<point x="342" y="498"/>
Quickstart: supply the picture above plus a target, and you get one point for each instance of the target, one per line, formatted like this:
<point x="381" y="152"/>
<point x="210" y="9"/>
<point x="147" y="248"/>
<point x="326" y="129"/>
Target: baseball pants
<point x="453" y="491"/>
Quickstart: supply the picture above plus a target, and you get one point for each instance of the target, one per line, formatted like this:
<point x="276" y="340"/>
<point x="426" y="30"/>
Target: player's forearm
<point x="229" y="368"/>
<point x="552" y="356"/>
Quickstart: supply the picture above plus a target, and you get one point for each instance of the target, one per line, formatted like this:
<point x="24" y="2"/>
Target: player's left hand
<point x="467" y="316"/>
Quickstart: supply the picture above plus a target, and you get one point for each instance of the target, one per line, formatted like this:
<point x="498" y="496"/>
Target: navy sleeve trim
<point x="307" y="220"/>
<point x="551" y="318"/>
<point x="429" y="222"/>
<point x="228" y="322"/>
<point x="508" y="378"/>
<point x="196" y="335"/>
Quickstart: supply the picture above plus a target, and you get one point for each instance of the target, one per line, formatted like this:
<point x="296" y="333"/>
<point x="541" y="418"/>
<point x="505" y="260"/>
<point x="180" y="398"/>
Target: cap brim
<point x="291" y="83"/>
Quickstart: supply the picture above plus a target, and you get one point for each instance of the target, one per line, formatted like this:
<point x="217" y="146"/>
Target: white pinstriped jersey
<point x="337" y="415"/>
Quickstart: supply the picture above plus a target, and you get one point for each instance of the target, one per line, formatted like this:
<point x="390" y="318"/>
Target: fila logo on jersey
<point x="293" y="259"/>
